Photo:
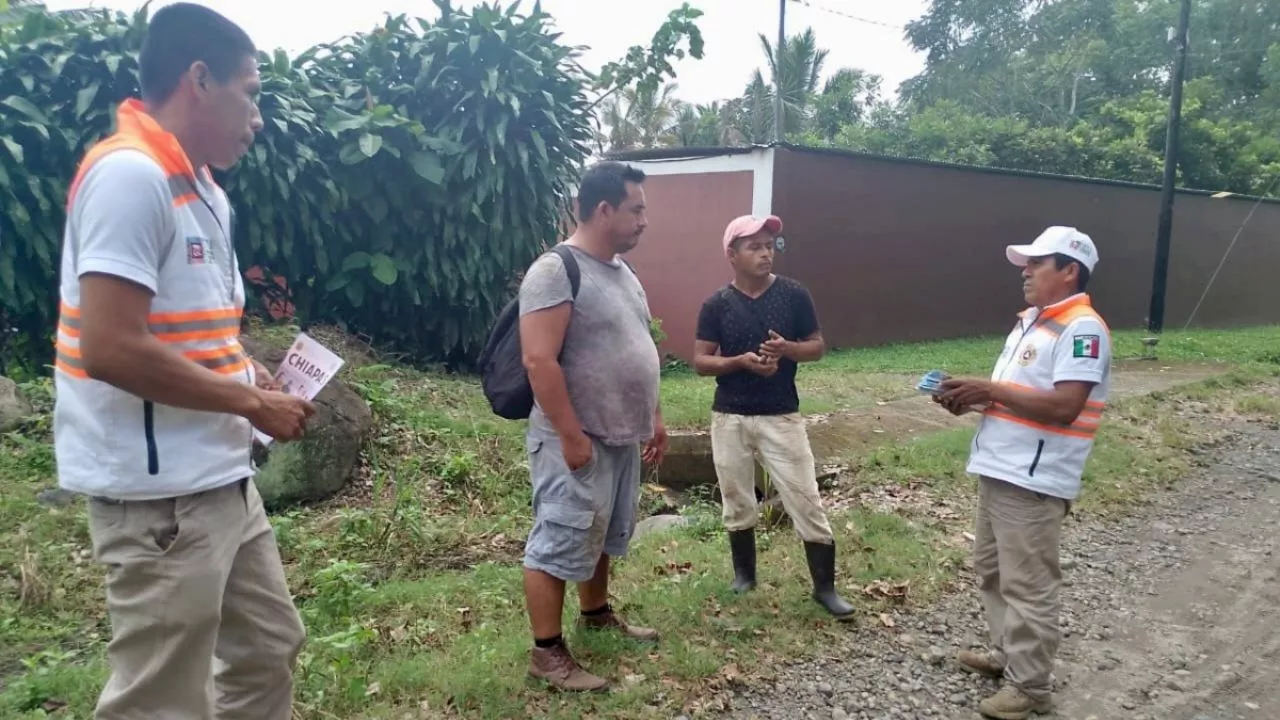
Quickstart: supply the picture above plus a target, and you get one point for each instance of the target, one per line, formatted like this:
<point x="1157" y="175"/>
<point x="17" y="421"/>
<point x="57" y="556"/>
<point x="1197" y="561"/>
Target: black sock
<point x="602" y="610"/>
<point x="549" y="643"/>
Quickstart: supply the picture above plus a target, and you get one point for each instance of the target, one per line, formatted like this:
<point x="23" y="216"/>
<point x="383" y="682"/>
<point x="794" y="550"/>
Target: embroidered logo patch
<point x="1028" y="355"/>
<point x="1086" y="346"/>
<point x="196" y="254"/>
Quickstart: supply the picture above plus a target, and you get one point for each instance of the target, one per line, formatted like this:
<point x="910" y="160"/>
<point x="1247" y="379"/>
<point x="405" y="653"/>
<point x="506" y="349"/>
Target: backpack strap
<point x="574" y="272"/>
<point x="570" y="266"/>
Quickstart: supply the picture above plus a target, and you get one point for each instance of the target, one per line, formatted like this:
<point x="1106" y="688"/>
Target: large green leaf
<point x="14" y="148"/>
<point x="384" y="269"/>
<point x="352" y="154"/>
<point x="85" y="98"/>
<point x="25" y="107"/>
<point x="370" y="144"/>
<point x="7" y="276"/>
<point x="356" y="260"/>
<point x="340" y="121"/>
<point x="355" y="294"/>
<point x="427" y="166"/>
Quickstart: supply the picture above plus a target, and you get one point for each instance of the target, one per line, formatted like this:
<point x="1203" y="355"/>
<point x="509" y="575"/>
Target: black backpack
<point x="502" y="374"/>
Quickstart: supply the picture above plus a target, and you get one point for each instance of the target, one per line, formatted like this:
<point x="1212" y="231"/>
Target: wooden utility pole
<point x="1159" y="282"/>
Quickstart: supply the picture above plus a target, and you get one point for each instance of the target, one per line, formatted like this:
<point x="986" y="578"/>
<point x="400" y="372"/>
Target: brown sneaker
<point x="1013" y="704"/>
<point x="984" y="663"/>
<point x="612" y="621"/>
<point x="557" y="666"/>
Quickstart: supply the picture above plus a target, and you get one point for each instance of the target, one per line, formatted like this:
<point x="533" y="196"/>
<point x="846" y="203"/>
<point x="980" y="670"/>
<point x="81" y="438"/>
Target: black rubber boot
<point x="822" y="566"/>
<point x="743" y="545"/>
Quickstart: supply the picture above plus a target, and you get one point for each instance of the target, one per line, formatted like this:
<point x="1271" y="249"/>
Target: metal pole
<point x="1155" y="316"/>
<point x="777" y="70"/>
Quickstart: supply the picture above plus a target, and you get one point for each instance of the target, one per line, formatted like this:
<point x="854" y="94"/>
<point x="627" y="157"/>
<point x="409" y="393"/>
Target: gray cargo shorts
<point x="578" y="515"/>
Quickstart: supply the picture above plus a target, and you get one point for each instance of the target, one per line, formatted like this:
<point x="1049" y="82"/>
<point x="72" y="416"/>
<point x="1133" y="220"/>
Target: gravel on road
<point x="1168" y="614"/>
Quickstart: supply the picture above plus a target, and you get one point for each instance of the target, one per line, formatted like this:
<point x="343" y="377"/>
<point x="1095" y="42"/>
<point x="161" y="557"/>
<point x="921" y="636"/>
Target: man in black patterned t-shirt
<point x="751" y="336"/>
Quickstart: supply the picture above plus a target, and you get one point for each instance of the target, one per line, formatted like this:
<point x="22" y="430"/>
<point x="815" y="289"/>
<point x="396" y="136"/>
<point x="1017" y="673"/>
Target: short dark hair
<point x="605" y="182"/>
<point x="184" y="33"/>
<point x="1060" y="261"/>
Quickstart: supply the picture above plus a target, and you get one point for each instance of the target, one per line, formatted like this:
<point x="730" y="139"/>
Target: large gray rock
<point x="658" y="524"/>
<point x="319" y="465"/>
<point x="14" y="407"/>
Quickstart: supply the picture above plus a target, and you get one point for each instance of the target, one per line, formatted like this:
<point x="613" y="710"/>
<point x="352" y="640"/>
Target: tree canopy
<point x="1077" y="87"/>
<point x="404" y="177"/>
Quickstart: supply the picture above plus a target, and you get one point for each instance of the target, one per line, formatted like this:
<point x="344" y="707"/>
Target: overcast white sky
<point x="730" y="29"/>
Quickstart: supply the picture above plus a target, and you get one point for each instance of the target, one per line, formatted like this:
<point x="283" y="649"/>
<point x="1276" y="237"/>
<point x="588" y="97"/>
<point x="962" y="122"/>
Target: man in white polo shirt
<point x="1041" y="410"/>
<point x="157" y="400"/>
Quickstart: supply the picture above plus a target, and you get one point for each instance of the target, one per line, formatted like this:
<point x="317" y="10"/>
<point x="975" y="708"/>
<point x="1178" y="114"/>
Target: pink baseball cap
<point x="748" y="225"/>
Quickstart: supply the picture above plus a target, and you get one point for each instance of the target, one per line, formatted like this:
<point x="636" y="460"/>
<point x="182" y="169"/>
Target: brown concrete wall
<point x="896" y="251"/>
<point x="679" y="258"/>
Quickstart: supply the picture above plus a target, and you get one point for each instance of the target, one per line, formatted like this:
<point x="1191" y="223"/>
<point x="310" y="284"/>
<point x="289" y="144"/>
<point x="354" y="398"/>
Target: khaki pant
<point x="188" y="579"/>
<point x="782" y="447"/>
<point x="1015" y="558"/>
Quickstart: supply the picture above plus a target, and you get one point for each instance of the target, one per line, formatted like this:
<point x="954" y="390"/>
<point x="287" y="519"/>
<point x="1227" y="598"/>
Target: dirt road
<point x="1188" y="629"/>
<point x="1170" y="615"/>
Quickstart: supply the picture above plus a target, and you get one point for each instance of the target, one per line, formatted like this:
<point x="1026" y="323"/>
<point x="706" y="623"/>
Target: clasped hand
<point x="963" y="395"/>
<point x="764" y="361"/>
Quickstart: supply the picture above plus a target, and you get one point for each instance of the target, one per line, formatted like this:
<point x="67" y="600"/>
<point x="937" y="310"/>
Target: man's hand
<point x="262" y="377"/>
<point x="762" y="365"/>
<point x="956" y="410"/>
<point x="960" y="394"/>
<point x="576" y="450"/>
<point x="656" y="449"/>
<point x="282" y="416"/>
<point x="776" y="347"/>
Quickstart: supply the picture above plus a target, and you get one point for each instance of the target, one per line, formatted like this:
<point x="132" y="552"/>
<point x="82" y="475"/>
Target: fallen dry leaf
<point x="731" y="673"/>
<point x="888" y="591"/>
<point x="887" y="621"/>
<point x="674" y="568"/>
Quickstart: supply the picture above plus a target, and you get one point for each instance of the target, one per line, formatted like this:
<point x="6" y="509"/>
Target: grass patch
<point x="410" y="584"/>
<point x="848" y="379"/>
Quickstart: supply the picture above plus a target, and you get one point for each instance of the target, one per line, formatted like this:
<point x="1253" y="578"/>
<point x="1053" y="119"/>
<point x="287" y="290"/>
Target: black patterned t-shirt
<point x="741" y="327"/>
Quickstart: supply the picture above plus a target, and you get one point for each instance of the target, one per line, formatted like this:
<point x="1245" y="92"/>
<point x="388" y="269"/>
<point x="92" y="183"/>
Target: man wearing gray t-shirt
<point x="594" y="370"/>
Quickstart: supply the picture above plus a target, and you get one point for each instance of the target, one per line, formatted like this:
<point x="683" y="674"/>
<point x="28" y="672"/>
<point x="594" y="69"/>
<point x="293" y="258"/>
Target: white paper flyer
<point x="307" y="367"/>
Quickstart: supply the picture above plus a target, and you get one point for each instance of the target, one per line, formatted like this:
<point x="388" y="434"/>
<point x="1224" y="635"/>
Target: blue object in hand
<point x="931" y="382"/>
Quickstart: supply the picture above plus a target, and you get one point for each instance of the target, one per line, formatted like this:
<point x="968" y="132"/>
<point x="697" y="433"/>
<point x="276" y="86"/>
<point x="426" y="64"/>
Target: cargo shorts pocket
<point x="564" y="538"/>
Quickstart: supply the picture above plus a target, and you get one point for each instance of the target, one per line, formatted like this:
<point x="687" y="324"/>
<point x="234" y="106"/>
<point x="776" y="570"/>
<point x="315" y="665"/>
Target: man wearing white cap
<point x="1041" y="410"/>
<point x="751" y="335"/>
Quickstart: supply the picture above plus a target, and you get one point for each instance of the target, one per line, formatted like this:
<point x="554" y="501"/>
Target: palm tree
<point x="848" y="97"/>
<point x="713" y="125"/>
<point x="639" y="118"/>
<point x="798" y="72"/>
<point x="752" y="113"/>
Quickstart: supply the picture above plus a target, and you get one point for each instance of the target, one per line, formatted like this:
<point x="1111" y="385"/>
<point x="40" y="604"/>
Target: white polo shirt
<point x="1065" y="342"/>
<point x="141" y="213"/>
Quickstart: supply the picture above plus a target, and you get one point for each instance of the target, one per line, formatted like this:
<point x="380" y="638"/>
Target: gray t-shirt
<point x="610" y="363"/>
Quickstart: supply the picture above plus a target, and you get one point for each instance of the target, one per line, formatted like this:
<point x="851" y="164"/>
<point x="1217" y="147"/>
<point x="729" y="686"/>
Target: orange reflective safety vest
<point x="137" y="209"/>
<point x="1064" y="342"/>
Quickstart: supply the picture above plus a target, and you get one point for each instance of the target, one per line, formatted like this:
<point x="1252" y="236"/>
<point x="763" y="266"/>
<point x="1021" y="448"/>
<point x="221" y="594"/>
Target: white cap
<point x="1057" y="239"/>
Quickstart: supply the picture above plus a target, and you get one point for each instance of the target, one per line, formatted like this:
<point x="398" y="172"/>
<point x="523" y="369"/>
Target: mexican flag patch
<point x="1087" y="346"/>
